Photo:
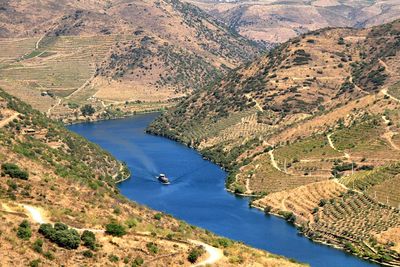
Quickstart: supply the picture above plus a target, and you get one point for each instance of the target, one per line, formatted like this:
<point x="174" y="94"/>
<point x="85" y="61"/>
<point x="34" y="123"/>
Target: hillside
<point x="100" y="53"/>
<point x="60" y="206"/>
<point x="274" y="21"/>
<point x="311" y="130"/>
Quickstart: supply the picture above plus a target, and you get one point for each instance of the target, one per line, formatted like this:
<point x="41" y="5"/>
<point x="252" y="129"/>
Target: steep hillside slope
<point x="276" y="21"/>
<point x="321" y="106"/>
<point x="59" y="206"/>
<point x="108" y="53"/>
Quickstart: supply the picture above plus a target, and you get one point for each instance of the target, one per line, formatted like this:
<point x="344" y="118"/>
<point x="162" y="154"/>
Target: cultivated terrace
<point x="311" y="130"/>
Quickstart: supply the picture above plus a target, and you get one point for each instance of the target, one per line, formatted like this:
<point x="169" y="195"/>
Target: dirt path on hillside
<point x="214" y="254"/>
<point x="346" y="155"/>
<point x="6" y="121"/>
<point x="273" y="161"/>
<point x="387" y="69"/>
<point x="53" y="106"/>
<point x="388" y="135"/>
<point x="386" y="93"/>
<point x="81" y="88"/>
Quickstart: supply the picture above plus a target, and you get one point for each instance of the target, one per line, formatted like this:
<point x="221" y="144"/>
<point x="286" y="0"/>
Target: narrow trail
<point x="386" y="93"/>
<point x="388" y="135"/>
<point x="8" y="120"/>
<point x="273" y="162"/>
<point x="387" y="69"/>
<point x="258" y="106"/>
<point x="346" y="155"/>
<point x="215" y="254"/>
<point x="53" y="106"/>
<point x="81" y="88"/>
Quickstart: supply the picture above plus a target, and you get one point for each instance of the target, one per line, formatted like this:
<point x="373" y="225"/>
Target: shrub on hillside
<point x="88" y="110"/>
<point x="61" y="235"/>
<point x="194" y="254"/>
<point x="152" y="247"/>
<point x="24" y="230"/>
<point x="115" y="229"/>
<point x="137" y="262"/>
<point x="89" y="239"/>
<point x="38" y="245"/>
<point x="13" y="171"/>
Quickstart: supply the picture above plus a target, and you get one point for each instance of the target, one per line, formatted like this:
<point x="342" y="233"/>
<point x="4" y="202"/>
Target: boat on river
<point x="163" y="179"/>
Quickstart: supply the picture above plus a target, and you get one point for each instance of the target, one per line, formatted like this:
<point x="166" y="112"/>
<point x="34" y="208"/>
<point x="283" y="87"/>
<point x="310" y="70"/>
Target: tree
<point x="115" y="229"/>
<point x="88" y="110"/>
<point x="24" y="230"/>
<point x="61" y="235"/>
<point x="89" y="239"/>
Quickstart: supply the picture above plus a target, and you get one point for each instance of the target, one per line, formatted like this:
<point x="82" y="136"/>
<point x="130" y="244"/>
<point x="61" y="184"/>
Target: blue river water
<point x="197" y="194"/>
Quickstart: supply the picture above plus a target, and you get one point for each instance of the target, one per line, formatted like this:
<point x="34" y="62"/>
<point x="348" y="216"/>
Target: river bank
<point x="197" y="193"/>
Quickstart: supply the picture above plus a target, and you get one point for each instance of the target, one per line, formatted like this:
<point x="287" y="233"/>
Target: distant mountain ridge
<point x="276" y="21"/>
<point x="135" y="51"/>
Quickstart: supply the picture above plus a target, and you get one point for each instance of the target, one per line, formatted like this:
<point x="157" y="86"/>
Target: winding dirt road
<point x="214" y="254"/>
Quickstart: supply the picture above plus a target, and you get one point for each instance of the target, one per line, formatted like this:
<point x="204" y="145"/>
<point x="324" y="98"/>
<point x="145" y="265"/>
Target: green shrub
<point x="87" y="254"/>
<point x="115" y="229"/>
<point x="87" y="110"/>
<point x="24" y="230"/>
<point x="34" y="263"/>
<point x="38" y="245"/>
<point x="194" y="254"/>
<point x="61" y="235"/>
<point x="224" y="242"/>
<point x="288" y="215"/>
<point x="152" y="247"/>
<point x="49" y="255"/>
<point x="89" y="239"/>
<point x="131" y="223"/>
<point x="137" y="262"/>
<point x="113" y="258"/>
<point x="157" y="216"/>
<point x="14" y="171"/>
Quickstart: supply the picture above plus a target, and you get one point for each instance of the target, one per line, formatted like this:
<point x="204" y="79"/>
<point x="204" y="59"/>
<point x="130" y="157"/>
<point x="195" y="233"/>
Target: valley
<point x="283" y="118"/>
<point x="60" y="204"/>
<point x="322" y="151"/>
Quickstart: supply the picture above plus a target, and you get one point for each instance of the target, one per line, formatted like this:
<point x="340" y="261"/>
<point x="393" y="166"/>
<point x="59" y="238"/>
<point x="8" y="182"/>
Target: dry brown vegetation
<point x="94" y="51"/>
<point x="81" y="193"/>
<point x="327" y="102"/>
<point x="275" y="21"/>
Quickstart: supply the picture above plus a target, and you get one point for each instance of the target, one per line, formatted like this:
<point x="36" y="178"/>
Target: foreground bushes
<point x="13" y="171"/>
<point x="61" y="235"/>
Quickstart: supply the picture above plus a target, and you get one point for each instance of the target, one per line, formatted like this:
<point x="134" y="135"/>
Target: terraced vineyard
<point x="264" y="178"/>
<point x="301" y="200"/>
<point x="238" y="132"/>
<point x="352" y="221"/>
<point x="12" y="49"/>
<point x="60" y="64"/>
<point x="364" y="140"/>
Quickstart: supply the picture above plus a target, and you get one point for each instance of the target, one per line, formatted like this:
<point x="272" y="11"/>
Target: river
<point x="197" y="194"/>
